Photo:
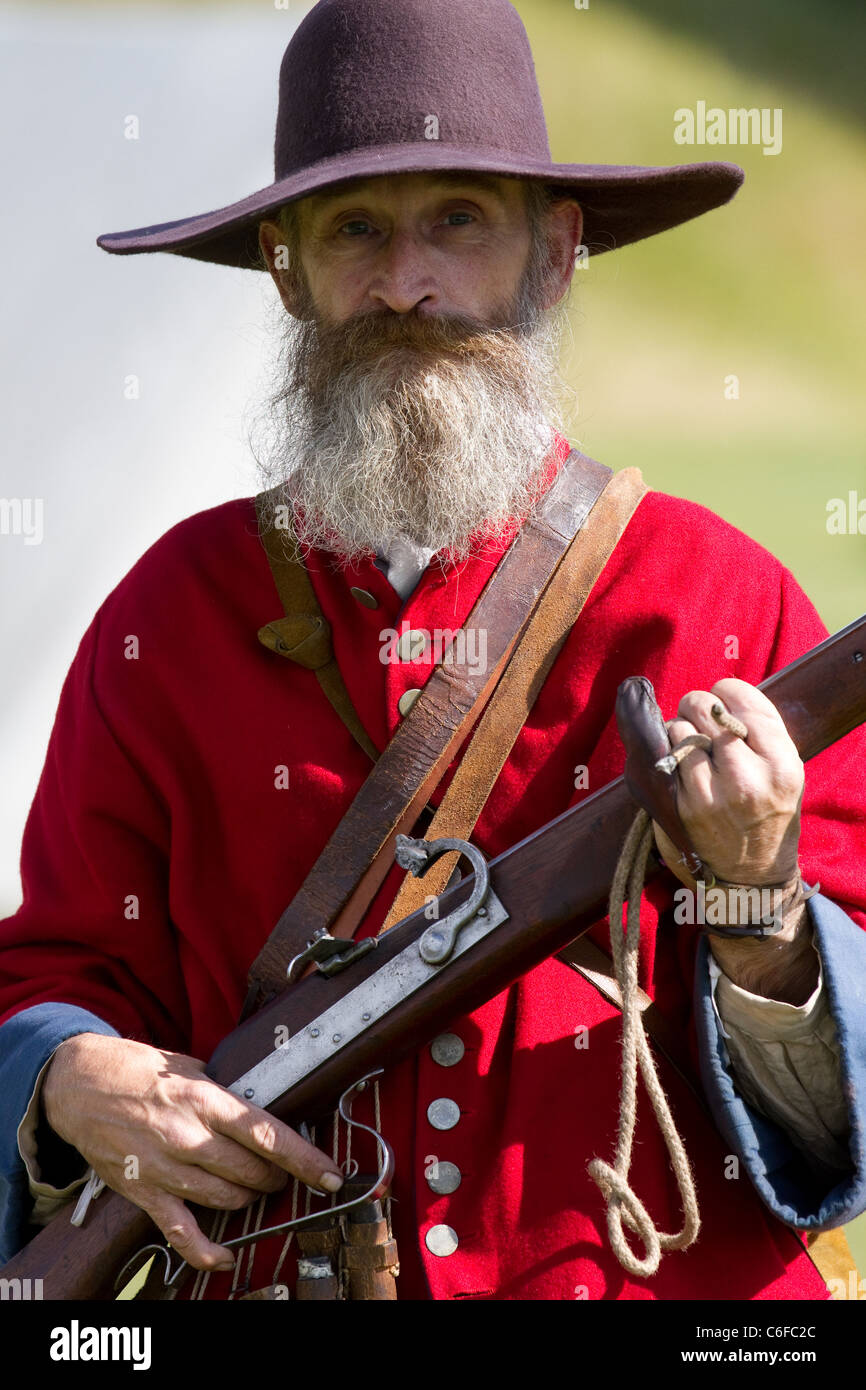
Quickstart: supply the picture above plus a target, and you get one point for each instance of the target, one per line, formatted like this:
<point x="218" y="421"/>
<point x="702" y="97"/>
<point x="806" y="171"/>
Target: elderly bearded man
<point x="415" y="431"/>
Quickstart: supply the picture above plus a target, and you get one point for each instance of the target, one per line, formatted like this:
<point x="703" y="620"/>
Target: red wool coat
<point x="160" y="786"/>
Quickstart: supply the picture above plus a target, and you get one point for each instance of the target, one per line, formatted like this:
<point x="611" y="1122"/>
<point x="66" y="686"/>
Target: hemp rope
<point x="623" y="1205"/>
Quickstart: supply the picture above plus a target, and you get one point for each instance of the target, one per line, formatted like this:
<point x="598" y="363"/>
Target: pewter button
<point x="441" y="1240"/>
<point x="443" y="1177"/>
<point x="411" y="645"/>
<point x="447" y="1049"/>
<point x="443" y="1113"/>
<point x="369" y="600"/>
<point x="407" y="700"/>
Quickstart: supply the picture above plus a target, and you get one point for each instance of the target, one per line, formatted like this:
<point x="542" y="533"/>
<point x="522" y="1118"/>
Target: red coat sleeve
<point x="93" y="928"/>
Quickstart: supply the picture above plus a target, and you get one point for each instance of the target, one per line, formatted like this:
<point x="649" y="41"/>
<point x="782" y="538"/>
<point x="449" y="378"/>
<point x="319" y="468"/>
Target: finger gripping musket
<point x="529" y="903"/>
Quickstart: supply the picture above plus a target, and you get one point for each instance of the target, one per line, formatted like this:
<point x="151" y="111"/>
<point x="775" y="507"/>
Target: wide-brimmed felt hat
<point x="372" y="87"/>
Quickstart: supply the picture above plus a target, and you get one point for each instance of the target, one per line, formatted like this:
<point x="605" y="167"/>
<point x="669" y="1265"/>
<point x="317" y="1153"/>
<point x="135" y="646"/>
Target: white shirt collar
<point x="403" y="562"/>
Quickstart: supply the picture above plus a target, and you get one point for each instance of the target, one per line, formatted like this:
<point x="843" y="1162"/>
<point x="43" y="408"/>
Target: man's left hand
<point x="740" y="806"/>
<point x="740" y="802"/>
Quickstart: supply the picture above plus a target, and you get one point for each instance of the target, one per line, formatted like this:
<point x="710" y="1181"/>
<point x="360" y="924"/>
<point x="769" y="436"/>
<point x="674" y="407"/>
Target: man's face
<point x="417" y="386"/>
<point x="448" y="244"/>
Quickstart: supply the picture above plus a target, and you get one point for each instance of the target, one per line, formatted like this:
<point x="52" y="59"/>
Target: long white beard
<point x="394" y="426"/>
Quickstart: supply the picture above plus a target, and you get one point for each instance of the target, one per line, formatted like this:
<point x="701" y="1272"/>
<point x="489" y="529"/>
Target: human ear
<point x="564" y="232"/>
<point x="272" y="242"/>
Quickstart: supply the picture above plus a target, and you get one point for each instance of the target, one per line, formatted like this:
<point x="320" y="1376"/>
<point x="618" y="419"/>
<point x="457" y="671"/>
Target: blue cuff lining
<point x="795" y="1192"/>
<point x="27" y="1040"/>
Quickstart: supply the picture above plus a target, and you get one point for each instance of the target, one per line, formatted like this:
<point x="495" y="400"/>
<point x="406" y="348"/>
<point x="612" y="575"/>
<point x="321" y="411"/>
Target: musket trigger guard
<point x="437" y="943"/>
<point x="382" y="1182"/>
<point x="136" y="1263"/>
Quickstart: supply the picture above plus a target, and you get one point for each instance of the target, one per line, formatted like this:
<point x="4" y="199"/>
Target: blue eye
<point x="352" y="228"/>
<point x="466" y="216"/>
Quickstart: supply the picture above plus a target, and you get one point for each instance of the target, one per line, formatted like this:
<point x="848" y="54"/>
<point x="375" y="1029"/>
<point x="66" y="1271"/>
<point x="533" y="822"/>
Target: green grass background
<point x="770" y="288"/>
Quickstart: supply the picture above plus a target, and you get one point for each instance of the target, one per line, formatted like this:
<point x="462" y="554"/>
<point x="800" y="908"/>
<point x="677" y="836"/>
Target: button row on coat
<point x="410" y="647"/>
<point x="443" y="1177"/>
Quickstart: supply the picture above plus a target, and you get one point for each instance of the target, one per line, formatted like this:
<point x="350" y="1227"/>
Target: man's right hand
<point x="129" y="1108"/>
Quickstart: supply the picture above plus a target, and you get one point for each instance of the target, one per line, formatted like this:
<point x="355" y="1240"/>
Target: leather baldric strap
<point x="343" y="881"/>
<point x="520" y="686"/>
<point x="304" y="634"/>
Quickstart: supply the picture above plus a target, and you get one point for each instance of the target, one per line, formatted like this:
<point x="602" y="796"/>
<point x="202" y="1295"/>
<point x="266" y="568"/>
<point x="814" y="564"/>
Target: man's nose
<point x="403" y="279"/>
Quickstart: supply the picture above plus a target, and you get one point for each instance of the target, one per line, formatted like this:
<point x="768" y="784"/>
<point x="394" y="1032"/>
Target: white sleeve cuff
<point x="786" y="1062"/>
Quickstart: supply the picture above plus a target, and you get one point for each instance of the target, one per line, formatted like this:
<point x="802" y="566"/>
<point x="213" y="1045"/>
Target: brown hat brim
<point x="621" y="203"/>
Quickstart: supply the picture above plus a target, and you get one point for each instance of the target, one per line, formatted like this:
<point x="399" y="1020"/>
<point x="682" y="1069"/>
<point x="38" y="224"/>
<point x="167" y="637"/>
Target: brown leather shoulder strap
<point x="521" y="683"/>
<point x="343" y="881"/>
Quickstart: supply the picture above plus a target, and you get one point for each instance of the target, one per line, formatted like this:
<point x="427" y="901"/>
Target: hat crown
<point x="369" y="73"/>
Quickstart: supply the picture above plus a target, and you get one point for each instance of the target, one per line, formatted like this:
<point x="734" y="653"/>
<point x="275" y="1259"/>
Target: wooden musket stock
<point x="554" y="885"/>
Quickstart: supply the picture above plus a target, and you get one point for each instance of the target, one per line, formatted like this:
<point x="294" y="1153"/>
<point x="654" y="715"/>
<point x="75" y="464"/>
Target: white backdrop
<point x="114" y="473"/>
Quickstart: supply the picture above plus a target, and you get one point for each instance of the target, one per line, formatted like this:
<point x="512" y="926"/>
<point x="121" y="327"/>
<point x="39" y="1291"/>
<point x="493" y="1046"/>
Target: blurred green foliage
<point x="770" y="289"/>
